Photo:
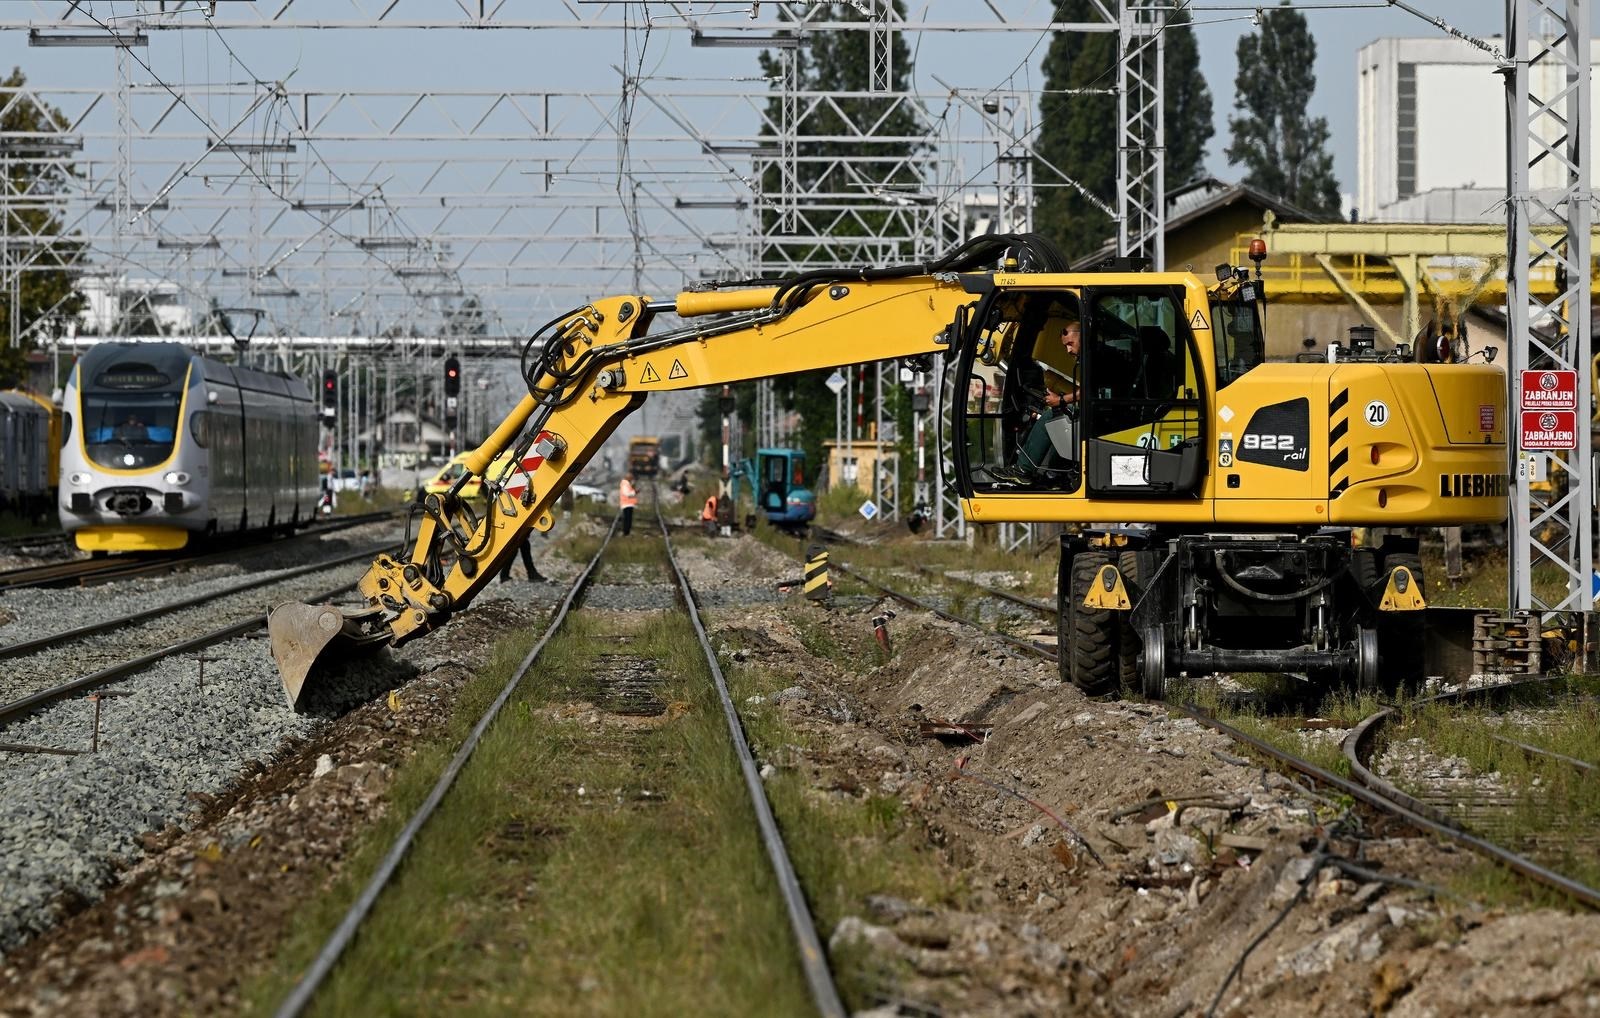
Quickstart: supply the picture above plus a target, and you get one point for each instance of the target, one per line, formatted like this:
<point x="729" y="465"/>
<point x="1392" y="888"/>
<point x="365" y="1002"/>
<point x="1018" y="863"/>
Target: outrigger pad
<point x="300" y="634"/>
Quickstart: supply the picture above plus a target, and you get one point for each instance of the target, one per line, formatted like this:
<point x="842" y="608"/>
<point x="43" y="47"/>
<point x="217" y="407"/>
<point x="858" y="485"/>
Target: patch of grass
<point x="1483" y="580"/>
<point x="523" y="896"/>
<point x="841" y="503"/>
<point x="1556" y="806"/>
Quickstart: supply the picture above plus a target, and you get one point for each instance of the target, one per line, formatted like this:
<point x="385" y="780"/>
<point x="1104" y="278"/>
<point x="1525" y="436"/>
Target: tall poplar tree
<point x="35" y="174"/>
<point x="1078" y="125"/>
<point x="1284" y="152"/>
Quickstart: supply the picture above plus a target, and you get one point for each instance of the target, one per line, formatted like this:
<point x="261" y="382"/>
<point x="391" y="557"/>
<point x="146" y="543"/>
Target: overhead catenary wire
<point x="274" y="94"/>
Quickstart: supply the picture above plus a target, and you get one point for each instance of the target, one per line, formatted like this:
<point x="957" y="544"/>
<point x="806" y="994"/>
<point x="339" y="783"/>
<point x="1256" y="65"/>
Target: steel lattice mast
<point x="1548" y="183"/>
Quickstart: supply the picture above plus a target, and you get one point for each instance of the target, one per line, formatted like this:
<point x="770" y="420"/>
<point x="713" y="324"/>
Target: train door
<point x="1143" y="406"/>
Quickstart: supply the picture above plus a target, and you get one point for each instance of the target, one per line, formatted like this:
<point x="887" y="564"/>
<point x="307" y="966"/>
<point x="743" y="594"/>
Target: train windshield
<point x="128" y="430"/>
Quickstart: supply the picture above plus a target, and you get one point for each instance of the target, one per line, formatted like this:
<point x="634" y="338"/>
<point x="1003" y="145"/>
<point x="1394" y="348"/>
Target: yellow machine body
<point x="1437" y="456"/>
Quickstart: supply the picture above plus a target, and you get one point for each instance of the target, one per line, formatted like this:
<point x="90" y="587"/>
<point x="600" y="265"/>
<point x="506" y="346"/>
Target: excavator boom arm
<point x="599" y="365"/>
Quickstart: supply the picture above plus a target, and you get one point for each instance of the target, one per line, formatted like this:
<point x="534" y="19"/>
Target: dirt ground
<point x="1109" y="859"/>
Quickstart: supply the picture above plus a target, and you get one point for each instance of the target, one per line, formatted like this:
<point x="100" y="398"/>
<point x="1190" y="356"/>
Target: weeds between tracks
<point x="645" y="892"/>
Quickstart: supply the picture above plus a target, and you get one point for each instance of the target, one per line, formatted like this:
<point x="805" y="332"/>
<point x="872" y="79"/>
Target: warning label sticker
<point x="649" y="374"/>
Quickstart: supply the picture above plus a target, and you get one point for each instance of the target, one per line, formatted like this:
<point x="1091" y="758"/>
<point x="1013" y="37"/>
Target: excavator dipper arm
<point x="598" y="365"/>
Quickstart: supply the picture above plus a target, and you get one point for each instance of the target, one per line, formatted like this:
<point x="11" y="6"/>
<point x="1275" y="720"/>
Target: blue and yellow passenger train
<point x="161" y="445"/>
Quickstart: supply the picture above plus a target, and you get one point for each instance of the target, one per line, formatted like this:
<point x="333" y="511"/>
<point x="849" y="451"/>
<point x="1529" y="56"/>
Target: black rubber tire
<point x="1089" y="643"/>
<point x="1130" y="642"/>
<point x="1064" y="615"/>
<point x="1401" y="634"/>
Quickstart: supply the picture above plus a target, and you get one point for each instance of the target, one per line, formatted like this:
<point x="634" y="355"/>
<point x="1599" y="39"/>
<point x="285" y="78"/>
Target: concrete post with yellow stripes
<point x="818" y="587"/>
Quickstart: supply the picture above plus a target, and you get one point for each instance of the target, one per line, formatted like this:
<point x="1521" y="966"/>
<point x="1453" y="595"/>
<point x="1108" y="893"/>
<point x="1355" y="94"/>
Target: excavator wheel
<point x="1087" y="639"/>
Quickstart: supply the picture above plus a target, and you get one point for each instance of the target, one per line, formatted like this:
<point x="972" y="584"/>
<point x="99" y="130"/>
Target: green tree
<point x="467" y="319"/>
<point x="215" y="321"/>
<point x="856" y="153"/>
<point x="1284" y="152"/>
<point x="1078" y="126"/>
<point x="37" y="175"/>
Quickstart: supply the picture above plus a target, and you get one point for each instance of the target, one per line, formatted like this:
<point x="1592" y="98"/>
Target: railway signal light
<point x="330" y="394"/>
<point x="452" y="376"/>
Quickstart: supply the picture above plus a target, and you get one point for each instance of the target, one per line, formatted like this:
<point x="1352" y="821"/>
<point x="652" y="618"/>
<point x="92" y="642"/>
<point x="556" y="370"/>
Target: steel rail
<point x="1004" y="595"/>
<point x="328" y="956"/>
<point x="1372" y="790"/>
<point x="1358" y="747"/>
<point x="947" y="616"/>
<point x="111" y="569"/>
<point x="93" y="628"/>
<point x="812" y="956"/>
<point x="17" y="708"/>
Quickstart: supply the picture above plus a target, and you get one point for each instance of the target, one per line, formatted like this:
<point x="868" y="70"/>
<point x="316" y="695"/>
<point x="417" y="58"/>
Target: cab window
<point x="1236" y="326"/>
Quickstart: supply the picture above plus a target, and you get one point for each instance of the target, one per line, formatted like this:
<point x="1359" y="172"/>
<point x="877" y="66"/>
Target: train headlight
<point x="81" y="479"/>
<point x="130" y="460"/>
<point x="177" y="477"/>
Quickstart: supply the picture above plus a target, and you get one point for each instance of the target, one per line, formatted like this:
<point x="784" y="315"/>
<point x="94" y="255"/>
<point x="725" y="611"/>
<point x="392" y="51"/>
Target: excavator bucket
<point x="306" y="637"/>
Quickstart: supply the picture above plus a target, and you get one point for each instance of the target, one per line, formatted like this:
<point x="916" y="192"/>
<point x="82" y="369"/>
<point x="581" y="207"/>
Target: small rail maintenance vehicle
<point x="1074" y="398"/>
<point x="644" y="456"/>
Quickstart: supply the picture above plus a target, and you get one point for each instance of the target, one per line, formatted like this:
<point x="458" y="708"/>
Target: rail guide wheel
<point x="1366" y="664"/>
<point x="1153" y="664"/>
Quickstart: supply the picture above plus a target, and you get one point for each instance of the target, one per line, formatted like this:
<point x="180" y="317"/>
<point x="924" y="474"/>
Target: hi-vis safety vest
<point x="630" y="497"/>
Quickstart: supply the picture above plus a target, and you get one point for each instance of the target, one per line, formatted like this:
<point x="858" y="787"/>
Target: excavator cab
<point x="1086" y="392"/>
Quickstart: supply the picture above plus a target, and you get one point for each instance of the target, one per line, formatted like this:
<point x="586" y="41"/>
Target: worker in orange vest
<point x="628" y="497"/>
<point x="708" y="516"/>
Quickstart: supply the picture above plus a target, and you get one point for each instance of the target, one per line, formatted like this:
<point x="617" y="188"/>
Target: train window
<point x="66" y="429"/>
<point x="198" y="428"/>
<point x="129" y="430"/>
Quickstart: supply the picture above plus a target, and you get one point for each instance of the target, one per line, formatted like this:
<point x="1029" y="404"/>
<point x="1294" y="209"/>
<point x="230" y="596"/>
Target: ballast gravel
<point x="40" y="611"/>
<point x="68" y="823"/>
<point x="25" y="675"/>
<point x="64" y="820"/>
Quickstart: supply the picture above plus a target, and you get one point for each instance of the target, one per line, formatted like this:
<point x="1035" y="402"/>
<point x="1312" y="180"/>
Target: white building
<point x="111" y="300"/>
<point x="1432" y="147"/>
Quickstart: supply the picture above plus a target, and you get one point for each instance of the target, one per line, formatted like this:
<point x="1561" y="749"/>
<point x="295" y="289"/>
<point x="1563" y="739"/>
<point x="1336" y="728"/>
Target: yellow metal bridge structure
<point x="1429" y="269"/>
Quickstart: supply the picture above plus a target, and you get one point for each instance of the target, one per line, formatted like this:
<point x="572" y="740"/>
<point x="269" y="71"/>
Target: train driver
<point x="132" y="430"/>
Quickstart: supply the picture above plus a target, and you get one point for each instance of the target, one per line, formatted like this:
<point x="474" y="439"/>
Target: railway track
<point x="623" y="685"/>
<point x="50" y="543"/>
<point x="85" y="572"/>
<point x="32" y="679"/>
<point x="1369" y="789"/>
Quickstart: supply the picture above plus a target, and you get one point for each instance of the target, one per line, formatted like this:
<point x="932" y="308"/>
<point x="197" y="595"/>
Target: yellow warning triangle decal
<point x="677" y="370"/>
<point x="649" y="373"/>
<point x="1198" y="321"/>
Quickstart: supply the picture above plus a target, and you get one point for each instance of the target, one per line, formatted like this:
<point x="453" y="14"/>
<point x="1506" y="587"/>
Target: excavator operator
<point x="1049" y="381"/>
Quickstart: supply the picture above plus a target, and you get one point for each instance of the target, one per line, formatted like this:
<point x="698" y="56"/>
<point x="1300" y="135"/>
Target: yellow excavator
<point x="1209" y="495"/>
